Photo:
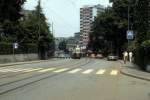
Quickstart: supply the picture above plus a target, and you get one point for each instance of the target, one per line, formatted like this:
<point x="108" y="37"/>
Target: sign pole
<point x="13" y="51"/>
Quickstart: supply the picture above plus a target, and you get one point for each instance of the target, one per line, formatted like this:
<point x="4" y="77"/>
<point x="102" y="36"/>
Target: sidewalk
<point x="132" y="70"/>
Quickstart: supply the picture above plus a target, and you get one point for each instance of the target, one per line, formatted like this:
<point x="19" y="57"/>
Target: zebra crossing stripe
<point x="101" y="72"/>
<point x="114" y="72"/>
<point x="46" y="70"/>
<point x="74" y="71"/>
<point x="61" y="70"/>
<point x="33" y="70"/>
<point x="88" y="71"/>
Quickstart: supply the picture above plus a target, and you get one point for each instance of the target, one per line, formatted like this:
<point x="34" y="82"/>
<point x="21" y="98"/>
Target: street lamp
<point x="39" y="23"/>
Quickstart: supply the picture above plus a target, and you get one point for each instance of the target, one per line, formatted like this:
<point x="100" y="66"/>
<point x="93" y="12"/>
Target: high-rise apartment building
<point x="87" y="14"/>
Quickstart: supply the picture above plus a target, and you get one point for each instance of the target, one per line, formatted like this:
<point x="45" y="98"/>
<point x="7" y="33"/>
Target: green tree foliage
<point x="32" y="29"/>
<point x="10" y="14"/>
<point x="62" y="45"/>
<point x="10" y="10"/>
<point x="36" y="26"/>
<point x="142" y="21"/>
<point x="113" y="24"/>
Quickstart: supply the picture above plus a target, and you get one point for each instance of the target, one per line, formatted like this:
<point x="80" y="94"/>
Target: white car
<point x="112" y="57"/>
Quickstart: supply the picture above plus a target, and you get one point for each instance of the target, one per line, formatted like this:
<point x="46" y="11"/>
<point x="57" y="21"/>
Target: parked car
<point x="112" y="57"/>
<point x="92" y="55"/>
<point x="99" y="56"/>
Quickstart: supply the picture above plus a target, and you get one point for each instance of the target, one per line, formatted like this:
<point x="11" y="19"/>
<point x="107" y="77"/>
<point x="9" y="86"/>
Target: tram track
<point x="10" y="86"/>
<point x="16" y="74"/>
<point x="10" y="77"/>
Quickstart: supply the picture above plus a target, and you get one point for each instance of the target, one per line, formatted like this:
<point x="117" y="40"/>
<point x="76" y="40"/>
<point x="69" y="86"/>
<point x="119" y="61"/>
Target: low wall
<point x="18" y="58"/>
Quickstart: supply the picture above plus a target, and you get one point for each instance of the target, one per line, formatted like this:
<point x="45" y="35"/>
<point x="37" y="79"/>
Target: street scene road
<point x="74" y="49"/>
<point x="69" y="79"/>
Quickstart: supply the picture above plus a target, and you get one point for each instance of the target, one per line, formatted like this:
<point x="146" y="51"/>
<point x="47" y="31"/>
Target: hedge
<point x="142" y="57"/>
<point x="7" y="48"/>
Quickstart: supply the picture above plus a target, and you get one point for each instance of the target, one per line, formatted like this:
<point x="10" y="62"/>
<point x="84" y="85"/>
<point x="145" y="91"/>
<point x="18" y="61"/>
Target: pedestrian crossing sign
<point x="130" y="35"/>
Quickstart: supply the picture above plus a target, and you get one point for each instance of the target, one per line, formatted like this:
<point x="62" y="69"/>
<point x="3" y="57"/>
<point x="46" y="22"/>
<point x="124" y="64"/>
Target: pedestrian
<point x="130" y="56"/>
<point x="125" y="56"/>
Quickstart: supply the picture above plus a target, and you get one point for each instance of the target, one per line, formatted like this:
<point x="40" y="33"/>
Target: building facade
<point x="87" y="15"/>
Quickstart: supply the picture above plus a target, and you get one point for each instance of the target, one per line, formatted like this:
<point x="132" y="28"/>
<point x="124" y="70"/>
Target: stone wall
<point x="18" y="58"/>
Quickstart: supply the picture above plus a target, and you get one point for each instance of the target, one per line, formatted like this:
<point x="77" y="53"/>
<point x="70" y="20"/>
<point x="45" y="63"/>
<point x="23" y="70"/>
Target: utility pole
<point x="52" y="28"/>
<point x="128" y="17"/>
<point x="128" y="20"/>
<point x="39" y="23"/>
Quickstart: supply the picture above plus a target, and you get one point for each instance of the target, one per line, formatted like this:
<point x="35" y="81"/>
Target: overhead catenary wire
<point x="62" y="19"/>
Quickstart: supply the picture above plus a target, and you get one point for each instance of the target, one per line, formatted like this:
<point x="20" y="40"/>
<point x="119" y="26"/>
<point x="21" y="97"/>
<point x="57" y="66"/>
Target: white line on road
<point x="101" y="72"/>
<point x="33" y="70"/>
<point x="114" y="72"/>
<point x="74" y="71"/>
<point x="46" y="70"/>
<point x="88" y="71"/>
<point x="61" y="70"/>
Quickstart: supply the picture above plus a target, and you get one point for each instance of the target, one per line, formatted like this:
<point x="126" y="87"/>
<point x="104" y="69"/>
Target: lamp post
<point x="39" y="23"/>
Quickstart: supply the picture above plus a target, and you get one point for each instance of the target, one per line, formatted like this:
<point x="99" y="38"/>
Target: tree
<point x="112" y="25"/>
<point x="142" y="22"/>
<point x="36" y="26"/>
<point x="10" y="10"/>
<point x="62" y="45"/>
<point x="10" y="13"/>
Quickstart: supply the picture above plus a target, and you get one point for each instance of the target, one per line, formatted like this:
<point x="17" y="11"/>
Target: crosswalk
<point x="112" y="72"/>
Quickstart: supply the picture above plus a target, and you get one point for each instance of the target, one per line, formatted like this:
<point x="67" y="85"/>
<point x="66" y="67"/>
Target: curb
<point x="134" y="76"/>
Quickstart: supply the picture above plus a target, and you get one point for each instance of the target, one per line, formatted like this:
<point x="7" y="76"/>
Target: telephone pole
<point x="39" y="23"/>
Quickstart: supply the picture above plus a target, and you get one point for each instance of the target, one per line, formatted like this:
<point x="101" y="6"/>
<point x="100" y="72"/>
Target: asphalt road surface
<point x="68" y="79"/>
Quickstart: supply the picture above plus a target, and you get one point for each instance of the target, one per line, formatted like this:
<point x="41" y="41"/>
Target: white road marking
<point x="46" y="70"/>
<point x="74" y="71"/>
<point x="33" y="70"/>
<point x="88" y="71"/>
<point x="101" y="72"/>
<point x="9" y="70"/>
<point x="61" y="70"/>
<point x="114" y="72"/>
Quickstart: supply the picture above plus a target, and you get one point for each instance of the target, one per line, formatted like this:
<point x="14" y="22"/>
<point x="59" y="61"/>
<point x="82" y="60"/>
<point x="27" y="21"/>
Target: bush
<point x="6" y="48"/>
<point x="146" y="43"/>
<point x="142" y="57"/>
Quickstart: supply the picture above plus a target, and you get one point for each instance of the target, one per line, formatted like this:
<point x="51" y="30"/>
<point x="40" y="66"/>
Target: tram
<point x="76" y="54"/>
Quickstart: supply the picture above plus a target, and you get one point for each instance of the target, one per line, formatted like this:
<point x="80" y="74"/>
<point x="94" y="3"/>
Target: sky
<point x="64" y="14"/>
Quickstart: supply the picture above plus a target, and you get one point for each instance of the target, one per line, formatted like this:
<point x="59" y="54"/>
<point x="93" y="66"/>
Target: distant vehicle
<point x="112" y="57"/>
<point x="92" y="55"/>
<point x="76" y="53"/>
<point x="99" y="56"/>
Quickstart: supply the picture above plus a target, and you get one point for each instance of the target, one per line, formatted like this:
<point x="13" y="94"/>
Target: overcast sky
<point x="63" y="13"/>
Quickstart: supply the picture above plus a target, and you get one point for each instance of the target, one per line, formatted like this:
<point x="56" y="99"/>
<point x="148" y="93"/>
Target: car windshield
<point x="74" y="49"/>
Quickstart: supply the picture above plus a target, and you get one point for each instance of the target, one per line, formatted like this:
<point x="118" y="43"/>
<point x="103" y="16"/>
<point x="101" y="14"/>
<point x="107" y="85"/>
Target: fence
<point x="7" y="48"/>
<point x="142" y="57"/>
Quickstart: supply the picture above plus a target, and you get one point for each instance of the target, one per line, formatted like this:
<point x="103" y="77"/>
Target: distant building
<point x="58" y="40"/>
<point x="77" y="37"/>
<point x="87" y="15"/>
<point x="71" y="44"/>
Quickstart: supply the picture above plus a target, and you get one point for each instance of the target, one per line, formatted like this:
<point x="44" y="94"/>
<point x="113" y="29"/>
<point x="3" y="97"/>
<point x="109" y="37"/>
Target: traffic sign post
<point x="130" y="35"/>
<point x="15" y="46"/>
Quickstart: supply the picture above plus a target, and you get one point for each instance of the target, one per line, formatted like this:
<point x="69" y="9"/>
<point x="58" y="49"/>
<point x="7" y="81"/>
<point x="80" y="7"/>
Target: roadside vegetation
<point x="31" y="32"/>
<point x="110" y="28"/>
